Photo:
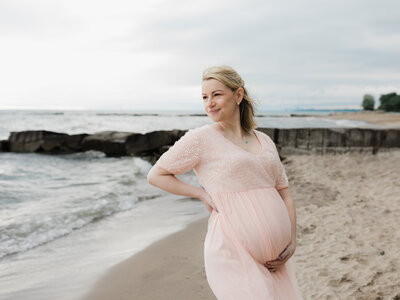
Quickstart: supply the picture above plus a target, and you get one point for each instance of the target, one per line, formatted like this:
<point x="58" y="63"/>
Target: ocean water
<point x="74" y="122"/>
<point x="65" y="218"/>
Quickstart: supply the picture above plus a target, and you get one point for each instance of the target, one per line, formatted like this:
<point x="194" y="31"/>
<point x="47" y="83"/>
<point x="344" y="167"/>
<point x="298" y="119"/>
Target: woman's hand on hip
<point x="206" y="199"/>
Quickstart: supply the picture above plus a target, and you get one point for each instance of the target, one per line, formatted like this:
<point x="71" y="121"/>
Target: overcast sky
<point x="149" y="54"/>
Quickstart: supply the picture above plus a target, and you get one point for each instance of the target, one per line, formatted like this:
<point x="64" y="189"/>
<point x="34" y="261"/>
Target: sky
<point x="150" y="55"/>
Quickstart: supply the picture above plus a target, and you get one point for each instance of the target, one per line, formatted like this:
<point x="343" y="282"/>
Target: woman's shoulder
<point x="198" y="131"/>
<point x="195" y="134"/>
<point x="265" y="136"/>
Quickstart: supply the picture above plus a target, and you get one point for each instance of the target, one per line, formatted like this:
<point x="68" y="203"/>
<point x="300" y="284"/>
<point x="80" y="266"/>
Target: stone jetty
<point x="152" y="144"/>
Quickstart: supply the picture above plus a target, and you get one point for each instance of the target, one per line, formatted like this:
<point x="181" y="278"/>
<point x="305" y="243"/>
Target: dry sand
<point x="348" y="209"/>
<point x="384" y="119"/>
<point x="348" y="240"/>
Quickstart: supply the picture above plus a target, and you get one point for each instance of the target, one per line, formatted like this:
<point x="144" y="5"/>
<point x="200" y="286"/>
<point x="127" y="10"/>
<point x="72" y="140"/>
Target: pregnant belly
<point x="261" y="223"/>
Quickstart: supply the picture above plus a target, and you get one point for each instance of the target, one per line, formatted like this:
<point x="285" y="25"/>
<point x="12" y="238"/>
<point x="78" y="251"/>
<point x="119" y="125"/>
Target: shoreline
<point x="67" y="267"/>
<point x="177" y="260"/>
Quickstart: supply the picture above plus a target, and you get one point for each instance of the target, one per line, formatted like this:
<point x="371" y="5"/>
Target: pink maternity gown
<point x="250" y="223"/>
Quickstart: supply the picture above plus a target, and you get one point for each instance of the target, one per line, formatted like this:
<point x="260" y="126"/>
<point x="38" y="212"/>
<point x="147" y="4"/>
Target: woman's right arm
<point x="168" y="182"/>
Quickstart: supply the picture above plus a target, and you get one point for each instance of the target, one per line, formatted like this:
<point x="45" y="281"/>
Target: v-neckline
<point x="254" y="132"/>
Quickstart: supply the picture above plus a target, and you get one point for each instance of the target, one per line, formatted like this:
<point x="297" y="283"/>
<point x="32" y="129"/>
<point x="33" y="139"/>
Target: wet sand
<point x="172" y="268"/>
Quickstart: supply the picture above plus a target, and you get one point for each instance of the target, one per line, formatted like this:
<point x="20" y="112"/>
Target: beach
<point x="348" y="209"/>
<point x="113" y="235"/>
<point x="379" y="118"/>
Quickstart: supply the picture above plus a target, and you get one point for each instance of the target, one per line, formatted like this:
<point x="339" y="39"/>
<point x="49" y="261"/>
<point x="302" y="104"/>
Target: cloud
<point x="97" y="54"/>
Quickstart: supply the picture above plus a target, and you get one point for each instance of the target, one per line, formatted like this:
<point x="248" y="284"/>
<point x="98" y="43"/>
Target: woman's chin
<point x="213" y="118"/>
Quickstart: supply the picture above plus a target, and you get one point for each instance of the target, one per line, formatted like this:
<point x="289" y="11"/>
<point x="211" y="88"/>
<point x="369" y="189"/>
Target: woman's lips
<point x="214" y="111"/>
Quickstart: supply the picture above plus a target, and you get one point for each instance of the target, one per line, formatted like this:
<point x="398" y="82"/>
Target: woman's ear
<point x="240" y="94"/>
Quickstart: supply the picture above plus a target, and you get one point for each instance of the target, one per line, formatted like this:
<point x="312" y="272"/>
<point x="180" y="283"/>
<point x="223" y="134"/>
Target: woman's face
<point x="220" y="102"/>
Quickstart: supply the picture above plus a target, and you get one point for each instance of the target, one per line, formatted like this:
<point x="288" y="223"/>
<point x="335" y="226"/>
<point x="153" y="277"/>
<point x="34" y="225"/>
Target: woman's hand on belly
<point x="273" y="265"/>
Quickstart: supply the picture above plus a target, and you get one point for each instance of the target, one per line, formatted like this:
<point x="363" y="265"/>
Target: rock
<point x="152" y="144"/>
<point x="112" y="143"/>
<point x="4" y="146"/>
<point x="142" y="144"/>
<point x="42" y="141"/>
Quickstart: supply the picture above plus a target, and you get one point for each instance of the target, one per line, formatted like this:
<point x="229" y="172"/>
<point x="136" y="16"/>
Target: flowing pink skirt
<point x="250" y="228"/>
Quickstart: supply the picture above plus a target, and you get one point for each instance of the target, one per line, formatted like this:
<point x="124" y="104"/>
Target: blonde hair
<point x="232" y="80"/>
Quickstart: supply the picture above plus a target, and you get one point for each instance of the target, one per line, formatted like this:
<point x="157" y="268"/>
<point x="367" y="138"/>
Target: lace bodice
<point x="222" y="166"/>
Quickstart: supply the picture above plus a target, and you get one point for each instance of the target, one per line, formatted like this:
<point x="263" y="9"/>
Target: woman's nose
<point x="211" y="102"/>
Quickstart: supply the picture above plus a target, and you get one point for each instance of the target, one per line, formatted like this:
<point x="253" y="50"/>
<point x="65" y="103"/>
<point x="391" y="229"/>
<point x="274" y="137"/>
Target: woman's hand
<point x="206" y="199"/>
<point x="273" y="265"/>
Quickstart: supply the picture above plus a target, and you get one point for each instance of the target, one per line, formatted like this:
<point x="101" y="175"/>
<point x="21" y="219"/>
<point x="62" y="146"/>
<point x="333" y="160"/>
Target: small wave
<point x="44" y="113"/>
<point x="71" y="185"/>
<point x="128" y="114"/>
<point x="351" y="123"/>
<point x="32" y="231"/>
<point x="86" y="155"/>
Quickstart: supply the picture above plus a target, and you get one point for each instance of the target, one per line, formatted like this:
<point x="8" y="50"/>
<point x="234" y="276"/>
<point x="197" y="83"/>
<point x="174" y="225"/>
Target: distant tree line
<point x="388" y="102"/>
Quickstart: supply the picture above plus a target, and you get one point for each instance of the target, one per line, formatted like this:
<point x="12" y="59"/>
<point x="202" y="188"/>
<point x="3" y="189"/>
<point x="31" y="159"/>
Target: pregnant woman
<point x="251" y="233"/>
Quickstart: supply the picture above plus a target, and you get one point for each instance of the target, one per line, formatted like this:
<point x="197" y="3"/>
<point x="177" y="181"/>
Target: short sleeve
<point x="281" y="180"/>
<point x="183" y="155"/>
